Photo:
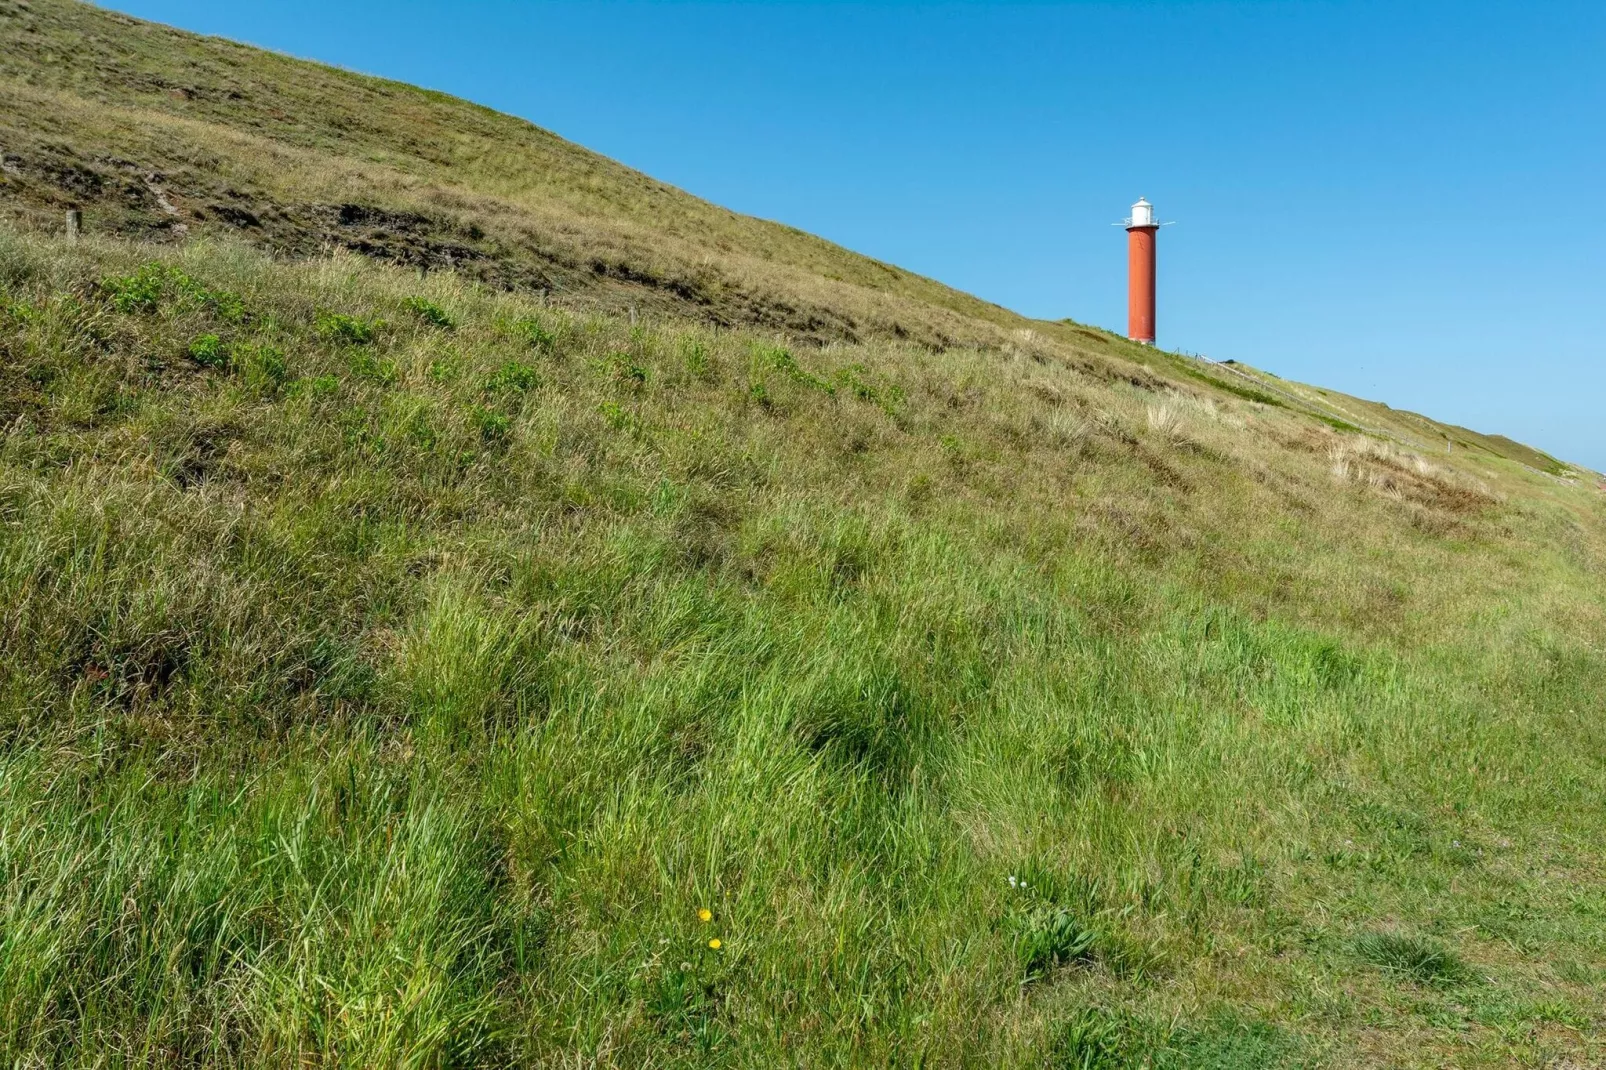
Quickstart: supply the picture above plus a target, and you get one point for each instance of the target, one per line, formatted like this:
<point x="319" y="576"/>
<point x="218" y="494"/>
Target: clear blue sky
<point x="1393" y="199"/>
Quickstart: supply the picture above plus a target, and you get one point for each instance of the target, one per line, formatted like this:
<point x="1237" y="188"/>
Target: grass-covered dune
<point x="162" y="136"/>
<point x="394" y="669"/>
<point x="464" y="603"/>
<point x="157" y="133"/>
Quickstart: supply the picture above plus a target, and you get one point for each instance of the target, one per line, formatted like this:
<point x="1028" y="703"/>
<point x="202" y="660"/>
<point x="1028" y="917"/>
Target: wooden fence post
<point x="75" y="224"/>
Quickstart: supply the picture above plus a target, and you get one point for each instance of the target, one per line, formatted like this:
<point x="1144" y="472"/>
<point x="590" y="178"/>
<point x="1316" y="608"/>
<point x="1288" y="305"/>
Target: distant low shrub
<point x="619" y="418"/>
<point x="513" y="376"/>
<point x="781" y="359"/>
<point x="155" y="283"/>
<point x="422" y="433"/>
<point x="365" y="365"/>
<point x="226" y="304"/>
<point x="697" y="362"/>
<point x="857" y="380"/>
<point x="210" y="351"/>
<point x="322" y="386"/>
<point x="139" y="292"/>
<point x="623" y="368"/>
<point x="262" y="368"/>
<point x="852" y="377"/>
<point x="535" y="334"/>
<point x="20" y="311"/>
<point x="429" y="312"/>
<point x="350" y="330"/>
<point x="777" y="357"/>
<point x="493" y="426"/>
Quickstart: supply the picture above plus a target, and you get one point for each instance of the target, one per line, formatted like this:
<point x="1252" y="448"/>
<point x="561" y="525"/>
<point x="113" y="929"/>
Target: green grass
<point x="396" y="658"/>
<point x="1411" y="956"/>
<point x="1101" y="1040"/>
<point x="400" y="695"/>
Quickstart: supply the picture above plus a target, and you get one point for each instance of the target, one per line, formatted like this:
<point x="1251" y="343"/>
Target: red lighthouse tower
<point x="1140" y="231"/>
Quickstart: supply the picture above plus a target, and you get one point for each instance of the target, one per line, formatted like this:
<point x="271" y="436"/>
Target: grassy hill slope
<point x="161" y="135"/>
<point x="395" y="667"/>
<point x="154" y="131"/>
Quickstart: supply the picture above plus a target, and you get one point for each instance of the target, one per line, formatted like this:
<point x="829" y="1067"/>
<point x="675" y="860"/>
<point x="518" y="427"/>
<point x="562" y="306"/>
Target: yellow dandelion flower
<point x="705" y="915"/>
<point x="714" y="943"/>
